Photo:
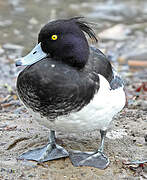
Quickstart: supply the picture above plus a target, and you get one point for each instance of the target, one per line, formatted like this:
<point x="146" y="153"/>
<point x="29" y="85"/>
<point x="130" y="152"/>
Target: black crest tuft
<point x="84" y="26"/>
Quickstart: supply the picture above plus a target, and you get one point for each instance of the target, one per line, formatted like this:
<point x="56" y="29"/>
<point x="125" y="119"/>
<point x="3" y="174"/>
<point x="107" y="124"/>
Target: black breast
<point x="53" y="88"/>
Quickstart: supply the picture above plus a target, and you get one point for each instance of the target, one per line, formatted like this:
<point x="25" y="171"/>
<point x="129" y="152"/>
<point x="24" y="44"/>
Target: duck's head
<point x="62" y="40"/>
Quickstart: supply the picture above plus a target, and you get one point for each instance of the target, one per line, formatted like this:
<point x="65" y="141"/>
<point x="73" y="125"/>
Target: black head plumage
<point x="85" y="26"/>
<point x="71" y="45"/>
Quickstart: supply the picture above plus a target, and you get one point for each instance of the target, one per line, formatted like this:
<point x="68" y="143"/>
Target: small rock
<point x="74" y="6"/>
<point x="145" y="169"/>
<point x="144" y="105"/>
<point x="33" y="21"/>
<point x="5" y="35"/>
<point x="16" y="32"/>
<point x="137" y="54"/>
<point x="2" y="169"/>
<point x="28" y="164"/>
<point x="12" y="46"/>
<point x="5" y="23"/>
<point x="31" y="175"/>
<point x="53" y="14"/>
<point x="20" y="9"/>
<point x="118" y="32"/>
<point x="144" y="175"/>
<point x="145" y="137"/>
<point x="14" y="2"/>
<point x="1" y="51"/>
<point x="116" y="134"/>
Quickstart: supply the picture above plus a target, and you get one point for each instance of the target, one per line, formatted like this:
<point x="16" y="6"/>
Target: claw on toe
<point x="91" y="159"/>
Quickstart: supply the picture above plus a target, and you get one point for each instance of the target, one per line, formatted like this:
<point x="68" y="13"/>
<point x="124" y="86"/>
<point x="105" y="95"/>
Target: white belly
<point x="96" y="115"/>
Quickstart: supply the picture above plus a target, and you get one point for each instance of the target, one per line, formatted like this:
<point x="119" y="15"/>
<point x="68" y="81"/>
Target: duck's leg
<point x="48" y="152"/>
<point x="93" y="159"/>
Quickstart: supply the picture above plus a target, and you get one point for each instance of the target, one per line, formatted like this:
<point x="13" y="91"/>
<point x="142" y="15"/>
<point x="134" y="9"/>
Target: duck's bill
<point x="34" y="56"/>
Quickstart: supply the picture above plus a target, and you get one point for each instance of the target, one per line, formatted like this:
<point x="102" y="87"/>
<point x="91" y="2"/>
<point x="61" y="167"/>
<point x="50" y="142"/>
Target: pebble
<point x="5" y="23"/>
<point x="137" y="54"/>
<point x="31" y="175"/>
<point x="28" y="164"/>
<point x="12" y="46"/>
<point x="33" y="21"/>
<point x="20" y="9"/>
<point x="116" y="134"/>
<point x="145" y="137"/>
<point x="14" y="2"/>
<point x="145" y="170"/>
<point x="1" y="51"/>
<point x="16" y="32"/>
<point x="113" y="11"/>
<point x="118" y="32"/>
<point x="53" y="14"/>
<point x="144" y="105"/>
<point x="74" y="6"/>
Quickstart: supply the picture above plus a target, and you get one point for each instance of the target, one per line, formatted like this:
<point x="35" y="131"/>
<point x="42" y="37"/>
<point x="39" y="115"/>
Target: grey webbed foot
<point x="48" y="152"/>
<point x="93" y="159"/>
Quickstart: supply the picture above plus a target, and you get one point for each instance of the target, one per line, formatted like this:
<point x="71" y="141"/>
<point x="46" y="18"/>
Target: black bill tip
<point x="18" y="63"/>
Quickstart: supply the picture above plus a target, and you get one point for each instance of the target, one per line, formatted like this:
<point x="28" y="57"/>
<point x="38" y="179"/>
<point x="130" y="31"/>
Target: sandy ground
<point x="125" y="141"/>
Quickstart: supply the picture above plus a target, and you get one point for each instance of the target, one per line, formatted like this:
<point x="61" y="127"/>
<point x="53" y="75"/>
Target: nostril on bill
<point x="34" y="52"/>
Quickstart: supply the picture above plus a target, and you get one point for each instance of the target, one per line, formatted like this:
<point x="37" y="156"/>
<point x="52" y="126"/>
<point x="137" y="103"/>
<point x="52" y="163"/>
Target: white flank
<point x="96" y="115"/>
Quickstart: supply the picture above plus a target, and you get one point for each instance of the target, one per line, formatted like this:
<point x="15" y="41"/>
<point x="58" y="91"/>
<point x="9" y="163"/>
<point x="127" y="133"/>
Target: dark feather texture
<point x="85" y="26"/>
<point x="56" y="91"/>
<point x="66" y="81"/>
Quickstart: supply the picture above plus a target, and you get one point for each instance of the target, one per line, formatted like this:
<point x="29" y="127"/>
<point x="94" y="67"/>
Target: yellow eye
<point x="54" y="37"/>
